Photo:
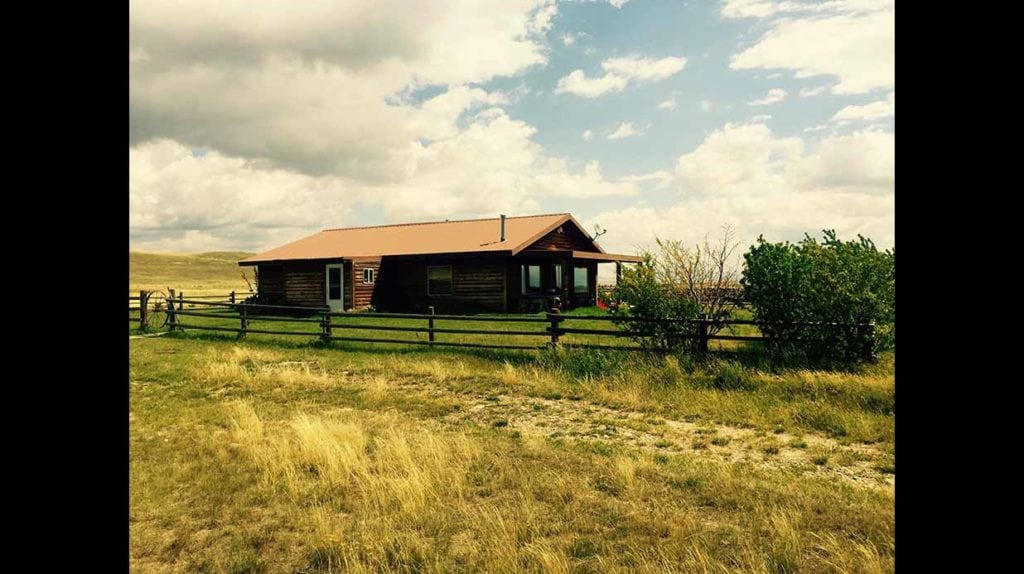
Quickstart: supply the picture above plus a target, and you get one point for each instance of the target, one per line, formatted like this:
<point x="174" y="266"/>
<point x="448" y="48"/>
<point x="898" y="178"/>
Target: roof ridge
<point x="436" y="222"/>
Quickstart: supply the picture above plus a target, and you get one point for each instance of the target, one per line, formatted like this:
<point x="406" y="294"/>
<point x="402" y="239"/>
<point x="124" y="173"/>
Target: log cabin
<point x="495" y="265"/>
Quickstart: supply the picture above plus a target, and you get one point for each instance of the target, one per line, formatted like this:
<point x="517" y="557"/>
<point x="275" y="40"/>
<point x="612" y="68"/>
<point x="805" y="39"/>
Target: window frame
<point x="576" y="285"/>
<point x="372" y="275"/>
<point x="525" y="288"/>
<point x="451" y="281"/>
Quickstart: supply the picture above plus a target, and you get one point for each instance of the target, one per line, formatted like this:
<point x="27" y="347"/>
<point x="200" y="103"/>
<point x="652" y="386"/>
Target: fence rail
<point x="556" y="325"/>
<point x="142" y="308"/>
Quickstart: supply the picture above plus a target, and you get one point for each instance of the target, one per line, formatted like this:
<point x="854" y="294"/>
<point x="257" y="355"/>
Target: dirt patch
<point x="579" y="419"/>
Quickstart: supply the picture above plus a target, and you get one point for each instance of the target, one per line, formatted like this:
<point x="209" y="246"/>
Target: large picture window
<point x="439" y="280"/>
<point x="580" y="280"/>
<point x="531" y="278"/>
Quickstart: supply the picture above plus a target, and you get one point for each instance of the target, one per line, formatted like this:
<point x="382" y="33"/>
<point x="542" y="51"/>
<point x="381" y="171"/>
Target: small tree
<point x="641" y="294"/>
<point x="676" y="282"/>
<point x="706" y="274"/>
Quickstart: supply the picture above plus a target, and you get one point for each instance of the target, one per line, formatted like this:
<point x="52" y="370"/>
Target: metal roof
<point x="436" y="237"/>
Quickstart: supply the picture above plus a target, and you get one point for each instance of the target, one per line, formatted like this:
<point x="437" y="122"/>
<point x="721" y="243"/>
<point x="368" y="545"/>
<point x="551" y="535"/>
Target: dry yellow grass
<point x="250" y="459"/>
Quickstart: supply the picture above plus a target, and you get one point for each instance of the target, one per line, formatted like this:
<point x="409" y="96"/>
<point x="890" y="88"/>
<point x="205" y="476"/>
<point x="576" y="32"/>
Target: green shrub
<point x="833" y="282"/>
<point x="640" y="294"/>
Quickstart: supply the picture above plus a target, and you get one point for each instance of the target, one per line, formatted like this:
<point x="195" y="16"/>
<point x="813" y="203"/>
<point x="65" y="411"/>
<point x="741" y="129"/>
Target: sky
<point x="255" y="123"/>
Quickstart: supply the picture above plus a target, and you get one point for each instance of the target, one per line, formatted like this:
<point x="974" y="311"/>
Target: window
<point x="368" y="275"/>
<point x="531" y="278"/>
<point x="580" y="276"/>
<point x="439" y="280"/>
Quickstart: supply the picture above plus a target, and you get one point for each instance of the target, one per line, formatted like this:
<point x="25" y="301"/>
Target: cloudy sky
<point x="255" y="123"/>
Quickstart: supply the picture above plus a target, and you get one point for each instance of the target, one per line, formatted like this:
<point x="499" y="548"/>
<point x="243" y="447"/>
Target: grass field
<point x="281" y="455"/>
<point x="197" y="274"/>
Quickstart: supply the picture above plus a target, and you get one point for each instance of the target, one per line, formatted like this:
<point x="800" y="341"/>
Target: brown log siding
<point x="363" y="293"/>
<point x="477" y="286"/>
<point x="570" y="238"/>
<point x="304" y="284"/>
<point x="270" y="280"/>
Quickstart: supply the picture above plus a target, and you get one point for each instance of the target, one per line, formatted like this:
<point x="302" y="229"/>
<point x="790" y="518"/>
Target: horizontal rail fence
<point x="334" y="326"/>
<point x="732" y="295"/>
<point x="143" y="307"/>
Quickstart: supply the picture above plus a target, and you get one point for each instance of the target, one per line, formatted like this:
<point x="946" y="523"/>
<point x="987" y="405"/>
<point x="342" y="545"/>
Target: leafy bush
<point x="678" y="282"/>
<point x="833" y="281"/>
<point x="641" y="294"/>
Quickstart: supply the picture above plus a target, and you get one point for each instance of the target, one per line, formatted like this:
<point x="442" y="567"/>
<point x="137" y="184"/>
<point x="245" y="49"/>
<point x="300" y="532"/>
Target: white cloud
<point x="587" y="135"/>
<point x="180" y="202"/>
<point x="491" y="166"/>
<point x="620" y="72"/>
<point x="626" y="130"/>
<point x="761" y="184"/>
<point x="312" y="113"/>
<point x="863" y="162"/>
<point x="579" y="84"/>
<point x="568" y="39"/>
<point x="541" y="20"/>
<point x="618" y="3"/>
<point x="774" y="96"/>
<point x="853" y="40"/>
<point x="761" y="118"/>
<point x="873" y="111"/>
<point x="308" y="87"/>
<point x="706" y="105"/>
<point x="663" y="178"/>
<point x="808" y="92"/>
<point x="669" y="104"/>
<point x="644" y="69"/>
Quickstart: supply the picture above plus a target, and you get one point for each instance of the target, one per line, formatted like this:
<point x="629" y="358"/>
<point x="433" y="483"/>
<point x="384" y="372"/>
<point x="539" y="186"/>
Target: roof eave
<point x="560" y="221"/>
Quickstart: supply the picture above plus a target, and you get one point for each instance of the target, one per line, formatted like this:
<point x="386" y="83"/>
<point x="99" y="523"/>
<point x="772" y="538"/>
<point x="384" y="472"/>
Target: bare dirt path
<point x="582" y="420"/>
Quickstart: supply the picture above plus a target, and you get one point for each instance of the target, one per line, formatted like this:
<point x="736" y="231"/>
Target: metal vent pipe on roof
<point x="503" y="227"/>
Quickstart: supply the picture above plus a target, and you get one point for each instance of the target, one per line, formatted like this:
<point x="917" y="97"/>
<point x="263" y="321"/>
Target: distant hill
<point x="214" y="272"/>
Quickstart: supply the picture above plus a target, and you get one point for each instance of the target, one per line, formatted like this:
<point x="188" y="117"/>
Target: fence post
<point x="244" y="321"/>
<point x="555" y="319"/>
<point x="232" y="297"/>
<point x="181" y="304"/>
<point x="430" y="326"/>
<point x="325" y="327"/>
<point x="143" y="304"/>
<point x="172" y="318"/>
<point x="702" y="335"/>
<point x="867" y="333"/>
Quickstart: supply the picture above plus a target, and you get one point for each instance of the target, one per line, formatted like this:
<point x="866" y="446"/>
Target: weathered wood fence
<point x="143" y="307"/>
<point x="337" y="326"/>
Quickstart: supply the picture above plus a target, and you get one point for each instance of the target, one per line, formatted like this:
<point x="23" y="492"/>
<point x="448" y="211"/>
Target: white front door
<point x="336" y="286"/>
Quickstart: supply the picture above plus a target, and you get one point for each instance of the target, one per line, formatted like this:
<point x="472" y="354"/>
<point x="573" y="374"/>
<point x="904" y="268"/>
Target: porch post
<point x="566" y="273"/>
<point x="570" y="284"/>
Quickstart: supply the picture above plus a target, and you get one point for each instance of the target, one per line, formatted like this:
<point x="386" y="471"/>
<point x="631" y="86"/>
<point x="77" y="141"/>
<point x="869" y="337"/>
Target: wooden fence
<point x="144" y="307"/>
<point x="733" y="295"/>
<point x="339" y="326"/>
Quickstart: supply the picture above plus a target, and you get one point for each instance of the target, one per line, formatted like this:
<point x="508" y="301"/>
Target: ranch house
<point x="501" y="264"/>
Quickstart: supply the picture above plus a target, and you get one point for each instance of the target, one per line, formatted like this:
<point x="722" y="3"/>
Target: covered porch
<point x="560" y="279"/>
